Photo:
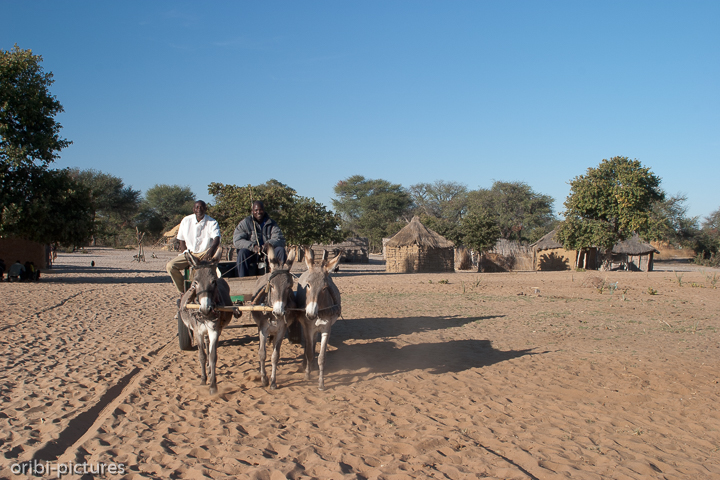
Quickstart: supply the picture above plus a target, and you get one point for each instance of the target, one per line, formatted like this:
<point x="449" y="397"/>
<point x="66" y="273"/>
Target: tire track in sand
<point x="81" y="428"/>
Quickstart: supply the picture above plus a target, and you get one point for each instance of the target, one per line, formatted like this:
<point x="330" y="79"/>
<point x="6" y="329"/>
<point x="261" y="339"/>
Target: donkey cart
<point x="241" y="291"/>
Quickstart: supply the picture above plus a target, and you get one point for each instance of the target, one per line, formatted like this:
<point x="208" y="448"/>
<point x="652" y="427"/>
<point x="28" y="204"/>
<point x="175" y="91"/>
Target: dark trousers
<point x="247" y="261"/>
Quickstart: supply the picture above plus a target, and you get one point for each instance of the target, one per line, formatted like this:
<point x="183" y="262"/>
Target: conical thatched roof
<point x="173" y="232"/>
<point x="547" y="242"/>
<point x="634" y="246"/>
<point x="415" y="233"/>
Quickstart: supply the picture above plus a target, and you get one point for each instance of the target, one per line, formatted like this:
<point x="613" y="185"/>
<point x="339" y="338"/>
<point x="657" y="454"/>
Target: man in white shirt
<point x="200" y="235"/>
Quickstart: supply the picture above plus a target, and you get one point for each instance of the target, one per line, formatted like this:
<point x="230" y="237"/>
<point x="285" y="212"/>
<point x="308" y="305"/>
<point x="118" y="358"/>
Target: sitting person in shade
<point x="16" y="272"/>
<point x="198" y="234"/>
<point x="253" y="234"/>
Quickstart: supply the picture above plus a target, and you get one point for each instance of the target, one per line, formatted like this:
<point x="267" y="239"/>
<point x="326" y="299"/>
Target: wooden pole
<point x="241" y="308"/>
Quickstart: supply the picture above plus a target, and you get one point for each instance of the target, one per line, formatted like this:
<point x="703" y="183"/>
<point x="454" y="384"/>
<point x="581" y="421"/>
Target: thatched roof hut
<point x="634" y="254"/>
<point x="172" y="233"/>
<point x="416" y="248"/>
<point x="167" y="240"/>
<point x="549" y="254"/>
<point x="547" y="242"/>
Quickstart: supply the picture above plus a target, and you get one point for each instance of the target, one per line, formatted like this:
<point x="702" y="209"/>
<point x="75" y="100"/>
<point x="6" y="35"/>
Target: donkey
<point x="320" y="298"/>
<point x="275" y="289"/>
<point x="206" y="322"/>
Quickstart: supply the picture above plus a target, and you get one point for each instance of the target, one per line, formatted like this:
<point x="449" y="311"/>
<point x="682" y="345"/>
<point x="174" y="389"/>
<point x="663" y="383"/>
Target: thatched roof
<point x="634" y="246"/>
<point x="173" y="232"/>
<point x="547" y="242"/>
<point x="415" y="233"/>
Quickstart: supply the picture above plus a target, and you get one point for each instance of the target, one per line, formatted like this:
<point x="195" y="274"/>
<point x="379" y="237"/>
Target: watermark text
<point x="39" y="468"/>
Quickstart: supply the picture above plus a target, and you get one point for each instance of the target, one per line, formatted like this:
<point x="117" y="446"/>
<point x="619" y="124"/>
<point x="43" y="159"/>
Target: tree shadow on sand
<point x="58" y="274"/>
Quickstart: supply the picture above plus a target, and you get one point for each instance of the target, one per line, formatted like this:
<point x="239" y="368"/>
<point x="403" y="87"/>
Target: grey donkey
<point x="320" y="299"/>
<point x="206" y="322"/>
<point x="274" y="289"/>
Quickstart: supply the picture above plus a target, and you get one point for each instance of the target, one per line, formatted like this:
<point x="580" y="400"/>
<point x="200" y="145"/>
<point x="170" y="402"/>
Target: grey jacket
<point x="245" y="235"/>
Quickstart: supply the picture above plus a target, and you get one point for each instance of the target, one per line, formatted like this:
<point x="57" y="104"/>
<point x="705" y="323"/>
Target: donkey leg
<point x="309" y="350"/>
<point x="262" y="353"/>
<point x="201" y="357"/>
<point x="213" y="337"/>
<point x="321" y="360"/>
<point x="277" y="342"/>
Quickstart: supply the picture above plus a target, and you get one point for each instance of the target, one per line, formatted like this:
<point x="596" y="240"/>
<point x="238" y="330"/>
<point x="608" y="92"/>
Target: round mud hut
<point x="549" y="255"/>
<point x="417" y="249"/>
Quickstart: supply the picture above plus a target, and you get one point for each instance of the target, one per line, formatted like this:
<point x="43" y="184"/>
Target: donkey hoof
<point x="273" y="387"/>
<point x="213" y="390"/>
<point x="264" y="381"/>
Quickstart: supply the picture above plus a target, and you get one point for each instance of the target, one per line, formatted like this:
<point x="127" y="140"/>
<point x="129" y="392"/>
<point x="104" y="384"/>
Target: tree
<point x="302" y="220"/>
<point x="668" y="222"/>
<point x="35" y="203"/>
<point x="521" y="213"/>
<point x="113" y="204"/>
<point x="163" y="207"/>
<point x="440" y="199"/>
<point x="479" y="231"/>
<point x="371" y="208"/>
<point x="29" y="134"/>
<point x="708" y="241"/>
<point x="49" y="206"/>
<point x="608" y="204"/>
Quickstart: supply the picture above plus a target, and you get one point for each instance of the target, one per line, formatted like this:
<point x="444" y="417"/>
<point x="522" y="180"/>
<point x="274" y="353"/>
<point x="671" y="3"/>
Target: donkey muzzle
<point x="311" y="310"/>
<point x="206" y="305"/>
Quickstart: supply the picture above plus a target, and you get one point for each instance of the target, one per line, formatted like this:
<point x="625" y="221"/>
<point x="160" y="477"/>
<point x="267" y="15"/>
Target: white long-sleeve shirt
<point x="198" y="236"/>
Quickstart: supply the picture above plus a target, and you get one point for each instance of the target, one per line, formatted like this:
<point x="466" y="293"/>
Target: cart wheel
<point x="184" y="336"/>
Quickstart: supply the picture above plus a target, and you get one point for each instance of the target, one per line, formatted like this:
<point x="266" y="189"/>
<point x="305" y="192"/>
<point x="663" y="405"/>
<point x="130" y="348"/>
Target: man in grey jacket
<point x="253" y="235"/>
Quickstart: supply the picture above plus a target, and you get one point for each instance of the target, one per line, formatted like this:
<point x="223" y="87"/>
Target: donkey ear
<point x="309" y="257"/>
<point x="290" y="257"/>
<point x="191" y="259"/>
<point x="217" y="255"/>
<point x="269" y="251"/>
<point x="330" y="266"/>
<point x="324" y="257"/>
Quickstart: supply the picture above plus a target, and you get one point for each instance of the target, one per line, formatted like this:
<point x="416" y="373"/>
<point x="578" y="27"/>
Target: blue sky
<point x="312" y="92"/>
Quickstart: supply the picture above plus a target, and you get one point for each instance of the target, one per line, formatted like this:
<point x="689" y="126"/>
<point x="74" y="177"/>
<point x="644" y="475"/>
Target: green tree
<point x="302" y="220"/>
<point x="35" y="202"/>
<point x="708" y="240"/>
<point x="48" y="206"/>
<point x="440" y="199"/>
<point x="668" y="222"/>
<point x="29" y="133"/>
<point x="479" y="231"/>
<point x="113" y="204"/>
<point x="163" y="207"/>
<point x="521" y="213"/>
<point x="452" y="230"/>
<point x="371" y="208"/>
<point x="712" y="221"/>
<point x="608" y="204"/>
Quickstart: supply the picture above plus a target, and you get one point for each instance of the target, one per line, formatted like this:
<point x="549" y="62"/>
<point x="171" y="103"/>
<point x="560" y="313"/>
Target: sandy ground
<point x="583" y="375"/>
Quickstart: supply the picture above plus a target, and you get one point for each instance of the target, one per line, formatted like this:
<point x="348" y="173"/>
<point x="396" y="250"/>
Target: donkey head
<point x="316" y="293"/>
<point x="205" y="281"/>
<point x="280" y="283"/>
